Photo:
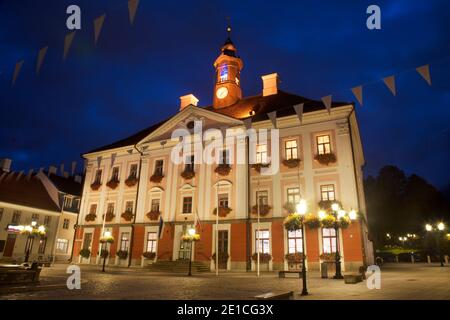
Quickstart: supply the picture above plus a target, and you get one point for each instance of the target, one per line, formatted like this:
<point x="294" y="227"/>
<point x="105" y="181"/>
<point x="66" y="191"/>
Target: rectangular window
<point x="159" y="166"/>
<point x="155" y="205"/>
<point x="329" y="240"/>
<point x="16" y="217"/>
<point x="262" y="241"/>
<point x="223" y="200"/>
<point x="129" y="206"/>
<point x="67" y="202"/>
<point x="42" y="245"/>
<point x="187" y="204"/>
<point x="110" y="208"/>
<point x="223" y="73"/>
<point x="133" y="171"/>
<point x="125" y="241"/>
<point x="93" y="209"/>
<point x="98" y="176"/>
<point x="327" y="192"/>
<point x="151" y="241"/>
<point x="323" y="144"/>
<point x="35" y="217"/>
<point x="293" y="195"/>
<point x="291" y="150"/>
<point x="115" y="174"/>
<point x="76" y="204"/>
<point x="87" y="241"/>
<point x="263" y="198"/>
<point x="47" y="220"/>
<point x="66" y="224"/>
<point x="62" y="245"/>
<point x="224" y="157"/>
<point x="295" y="240"/>
<point x="189" y="165"/>
<point x="261" y="153"/>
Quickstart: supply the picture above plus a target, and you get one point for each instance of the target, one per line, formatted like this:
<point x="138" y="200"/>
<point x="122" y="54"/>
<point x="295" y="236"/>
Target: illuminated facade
<point x="148" y="202"/>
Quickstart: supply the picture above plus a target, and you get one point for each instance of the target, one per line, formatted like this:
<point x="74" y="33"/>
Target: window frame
<point x="184" y="203"/>
<point x="263" y="239"/>
<point x="289" y="150"/>
<point x="297" y="239"/>
<point x="324" y="145"/>
<point x="261" y="155"/>
<point x="153" y="242"/>
<point x="331" y="238"/>
<point x="159" y="169"/>
<point x="124" y="241"/>
<point x="328" y="192"/>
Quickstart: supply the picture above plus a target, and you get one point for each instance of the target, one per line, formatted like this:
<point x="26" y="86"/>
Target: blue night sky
<point x="135" y="75"/>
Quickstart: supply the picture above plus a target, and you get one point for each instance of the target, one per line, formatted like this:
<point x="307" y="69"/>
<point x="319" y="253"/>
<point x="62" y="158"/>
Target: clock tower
<point x="227" y="82"/>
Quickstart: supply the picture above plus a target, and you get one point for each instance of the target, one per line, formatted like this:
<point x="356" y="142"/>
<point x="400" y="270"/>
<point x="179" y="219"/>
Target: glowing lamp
<point x="107" y="234"/>
<point x="428" y="227"/>
<point x="341" y="214"/>
<point x="335" y="207"/>
<point x="33" y="223"/>
<point x="441" y="226"/>
<point x="41" y="229"/>
<point x="322" y="214"/>
<point x="302" y="207"/>
<point x="352" y="214"/>
<point x="191" y="231"/>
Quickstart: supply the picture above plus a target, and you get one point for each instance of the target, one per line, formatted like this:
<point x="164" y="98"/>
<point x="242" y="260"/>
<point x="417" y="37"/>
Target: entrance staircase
<point x="178" y="266"/>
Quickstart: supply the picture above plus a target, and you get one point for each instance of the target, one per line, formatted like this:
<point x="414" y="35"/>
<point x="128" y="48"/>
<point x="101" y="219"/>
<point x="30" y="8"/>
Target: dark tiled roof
<point x="282" y="102"/>
<point x="66" y="185"/>
<point x="25" y="191"/>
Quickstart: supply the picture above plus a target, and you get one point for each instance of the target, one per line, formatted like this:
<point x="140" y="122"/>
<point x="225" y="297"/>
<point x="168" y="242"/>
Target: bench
<point x="287" y="295"/>
<point x="282" y="273"/>
<point x="353" y="278"/>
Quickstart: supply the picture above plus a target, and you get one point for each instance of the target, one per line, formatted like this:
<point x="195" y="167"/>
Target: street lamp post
<point x="191" y="239"/>
<point x="437" y="231"/>
<point x="336" y="211"/>
<point x="301" y="209"/>
<point x="107" y="238"/>
<point x="31" y="231"/>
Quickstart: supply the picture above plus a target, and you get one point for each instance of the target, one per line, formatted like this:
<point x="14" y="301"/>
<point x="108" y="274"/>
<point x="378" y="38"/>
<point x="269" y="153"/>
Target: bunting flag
<point x="424" y="71"/>
<point x="30" y="172"/>
<point x="390" y="83"/>
<point x="99" y="161"/>
<point x="327" y="102"/>
<point x="113" y="158"/>
<point x="358" y="93"/>
<point x="16" y="72"/>
<point x="299" y="111"/>
<point x="40" y="59"/>
<point x="130" y="151"/>
<point x="98" y="24"/>
<point x="74" y="166"/>
<point x="273" y="118"/>
<point x="132" y="8"/>
<point x="161" y="227"/>
<point x="248" y="123"/>
<point x="68" y="43"/>
<point x="19" y="175"/>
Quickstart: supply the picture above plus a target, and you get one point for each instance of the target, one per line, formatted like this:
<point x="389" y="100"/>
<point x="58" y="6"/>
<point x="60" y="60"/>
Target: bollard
<point x="396" y="259"/>
<point x="428" y="259"/>
<point x="412" y="258"/>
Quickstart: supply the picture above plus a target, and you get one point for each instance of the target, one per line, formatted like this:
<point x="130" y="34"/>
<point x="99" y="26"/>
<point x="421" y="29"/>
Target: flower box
<point x="149" y="255"/>
<point x="127" y="216"/>
<point x="156" y="178"/>
<point x="90" y="217"/>
<point x="223" y="211"/>
<point x="109" y="240"/>
<point x="131" y="181"/>
<point x="328" y="221"/>
<point x="85" y="253"/>
<point x="109" y="216"/>
<point x="263" y="209"/>
<point x="293" y="222"/>
<point x="312" y="221"/>
<point x="113" y="183"/>
<point x="223" y="169"/>
<point x="189" y="238"/>
<point x="291" y="163"/>
<point x="263" y="257"/>
<point x="122" y="254"/>
<point x="96" y="185"/>
<point x="258" y="166"/>
<point x="153" y="215"/>
<point x="325" y="158"/>
<point x="188" y="174"/>
<point x="294" y="257"/>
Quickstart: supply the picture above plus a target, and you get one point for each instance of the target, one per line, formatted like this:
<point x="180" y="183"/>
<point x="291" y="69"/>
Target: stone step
<point x="177" y="266"/>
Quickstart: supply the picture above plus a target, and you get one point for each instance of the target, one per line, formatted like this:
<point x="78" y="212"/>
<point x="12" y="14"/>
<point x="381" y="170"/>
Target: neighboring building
<point x="25" y="198"/>
<point x="123" y="177"/>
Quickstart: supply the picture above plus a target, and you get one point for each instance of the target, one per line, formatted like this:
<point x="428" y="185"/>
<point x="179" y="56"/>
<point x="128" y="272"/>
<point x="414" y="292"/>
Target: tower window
<point x="223" y="74"/>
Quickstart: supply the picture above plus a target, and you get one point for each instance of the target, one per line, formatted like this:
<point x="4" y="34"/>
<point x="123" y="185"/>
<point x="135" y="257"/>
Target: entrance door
<point x="223" y="249"/>
<point x="9" y="246"/>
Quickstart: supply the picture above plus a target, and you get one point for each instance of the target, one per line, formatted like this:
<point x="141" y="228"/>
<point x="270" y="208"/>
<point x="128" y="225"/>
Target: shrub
<point x="85" y="253"/>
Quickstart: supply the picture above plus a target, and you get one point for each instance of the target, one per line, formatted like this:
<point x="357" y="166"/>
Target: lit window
<point x="237" y="80"/>
<point x="295" y="240"/>
<point x="327" y="192"/>
<point x="293" y="195"/>
<point x="261" y="153"/>
<point x="124" y="241"/>
<point x="323" y="144"/>
<point x="291" y="150"/>
<point x="223" y="73"/>
<point x="155" y="205"/>
<point x="262" y="240"/>
<point x="187" y="204"/>
<point x="329" y="240"/>
<point x="62" y="245"/>
<point x="151" y="242"/>
<point x="67" y="202"/>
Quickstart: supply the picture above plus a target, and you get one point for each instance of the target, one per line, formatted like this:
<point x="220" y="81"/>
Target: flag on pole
<point x="68" y="43"/>
<point x="19" y="175"/>
<point x="17" y="69"/>
<point x="327" y="102"/>
<point x="199" y="223"/>
<point x="273" y="118"/>
<point x="299" y="111"/>
<point x="161" y="227"/>
<point x="424" y="71"/>
<point x="132" y="8"/>
<point x="358" y="93"/>
<point x="390" y="83"/>
<point x="40" y="59"/>
<point x="98" y="24"/>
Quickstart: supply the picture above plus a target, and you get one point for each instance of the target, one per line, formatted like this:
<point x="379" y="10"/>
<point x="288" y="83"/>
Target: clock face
<point x="222" y="92"/>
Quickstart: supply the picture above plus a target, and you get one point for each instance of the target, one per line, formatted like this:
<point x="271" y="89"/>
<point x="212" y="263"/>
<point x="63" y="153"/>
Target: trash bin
<point x="324" y="270"/>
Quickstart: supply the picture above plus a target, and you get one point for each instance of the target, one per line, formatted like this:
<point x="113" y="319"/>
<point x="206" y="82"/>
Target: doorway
<point x="184" y="251"/>
<point x="223" y="249"/>
<point x="9" y="246"/>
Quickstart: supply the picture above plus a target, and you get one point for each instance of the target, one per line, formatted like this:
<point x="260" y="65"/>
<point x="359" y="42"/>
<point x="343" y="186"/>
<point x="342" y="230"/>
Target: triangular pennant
<point x="424" y="71"/>
<point x="248" y="123"/>
<point x="327" y="102"/>
<point x="19" y="175"/>
<point x="16" y="72"/>
<point x="130" y="151"/>
<point x="74" y="166"/>
<point x="358" y="93"/>
<point x="29" y="174"/>
<point x="299" y="111"/>
<point x="98" y="24"/>
<point x="132" y="8"/>
<point x="390" y="83"/>
<point x="68" y="43"/>
<point x="273" y="118"/>
<point x="40" y="59"/>
<point x="99" y="161"/>
<point x="113" y="158"/>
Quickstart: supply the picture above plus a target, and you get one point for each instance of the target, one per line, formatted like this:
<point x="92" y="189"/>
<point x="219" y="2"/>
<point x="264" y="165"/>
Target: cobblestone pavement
<point x="398" y="281"/>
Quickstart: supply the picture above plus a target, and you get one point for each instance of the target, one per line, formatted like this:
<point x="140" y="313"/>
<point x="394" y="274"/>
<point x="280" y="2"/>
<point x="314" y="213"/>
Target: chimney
<point x="270" y="84"/>
<point x="77" y="178"/>
<point x="5" y="164"/>
<point x="188" y="100"/>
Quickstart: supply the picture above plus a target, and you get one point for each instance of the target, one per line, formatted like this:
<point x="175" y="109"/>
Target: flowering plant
<point x="189" y="238"/>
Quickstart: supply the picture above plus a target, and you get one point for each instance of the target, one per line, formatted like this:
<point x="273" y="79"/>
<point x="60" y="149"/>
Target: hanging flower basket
<point x="328" y="221"/>
<point x="153" y="215"/>
<point x="291" y="163"/>
<point x="90" y="217"/>
<point x="131" y="181"/>
<point x="122" y="254"/>
<point x="258" y="166"/>
<point x="156" y="178"/>
<point x="104" y="254"/>
<point x="328" y="257"/>
<point x="223" y="169"/>
<point x="263" y="209"/>
<point x="293" y="222"/>
<point x="223" y="256"/>
<point x="344" y="222"/>
<point x="96" y="185"/>
<point x="325" y="158"/>
<point x="109" y="216"/>
<point x="263" y="257"/>
<point x="85" y="253"/>
<point x="294" y="257"/>
<point x="289" y="207"/>
<point x="189" y="174"/>
<point x="127" y="216"/>
<point x="312" y="221"/>
<point x="149" y="255"/>
<point x="223" y="211"/>
<point x="189" y="238"/>
<point x="109" y="240"/>
<point x="113" y="183"/>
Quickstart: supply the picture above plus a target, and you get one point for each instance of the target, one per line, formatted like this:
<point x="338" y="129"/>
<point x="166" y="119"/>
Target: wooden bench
<point x="282" y="273"/>
<point x="287" y="295"/>
<point x="353" y="278"/>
